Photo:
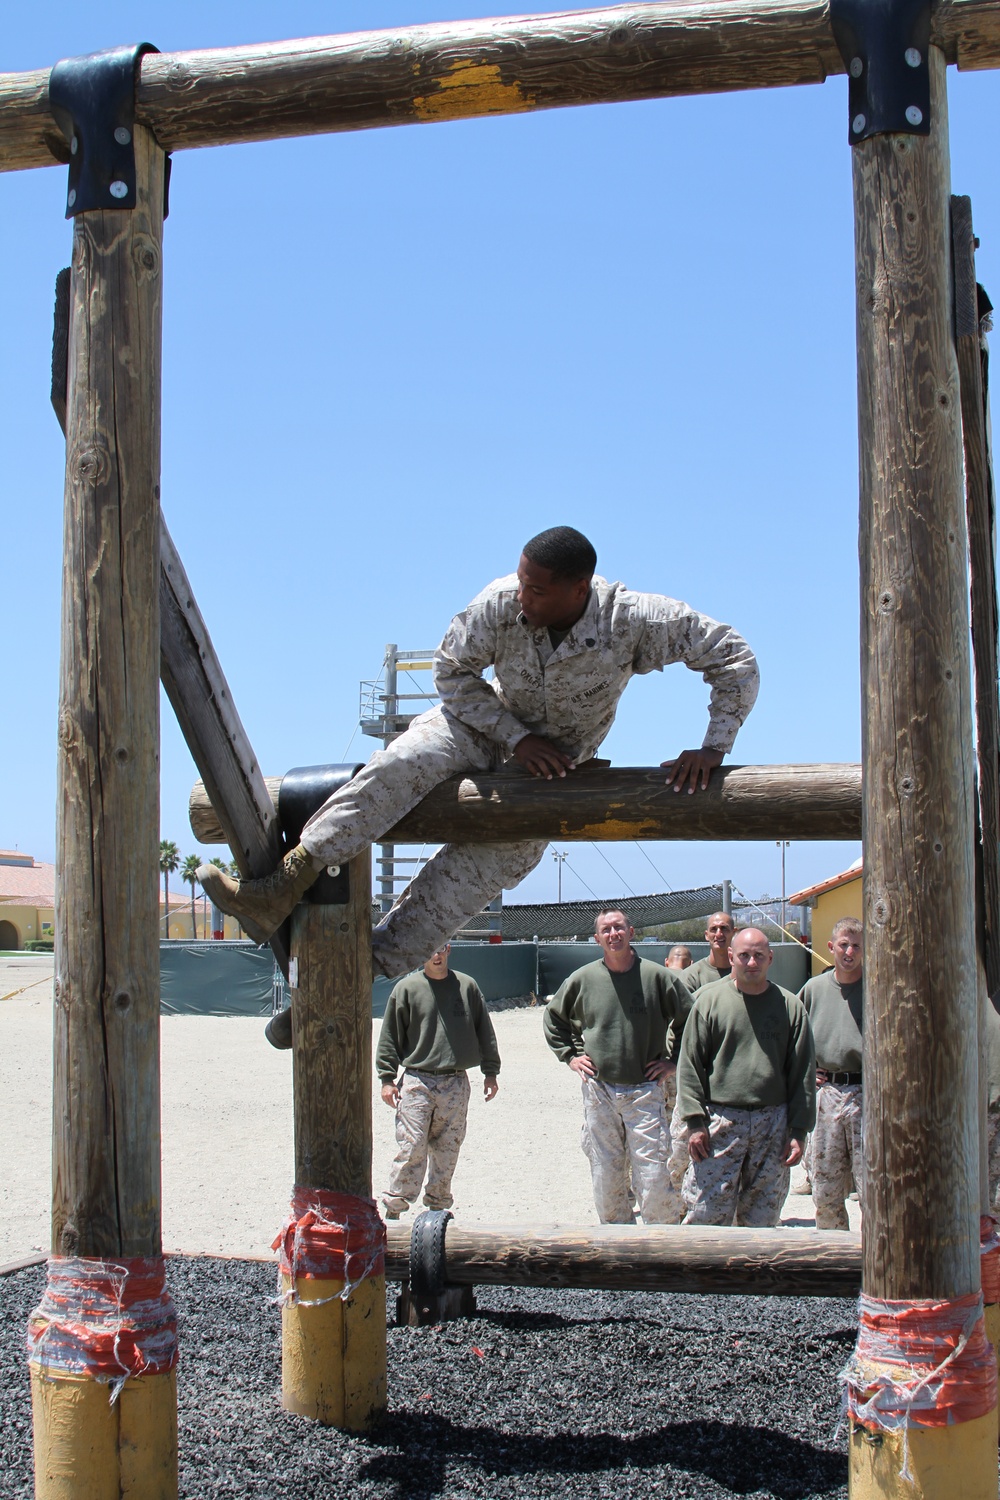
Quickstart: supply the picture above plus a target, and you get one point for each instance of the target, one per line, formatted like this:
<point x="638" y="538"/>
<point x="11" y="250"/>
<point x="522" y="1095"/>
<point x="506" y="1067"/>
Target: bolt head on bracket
<point x="884" y="44"/>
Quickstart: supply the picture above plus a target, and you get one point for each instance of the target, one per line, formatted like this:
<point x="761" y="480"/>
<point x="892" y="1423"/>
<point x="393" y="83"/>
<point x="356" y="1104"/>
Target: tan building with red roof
<point x="840" y="896"/>
<point x="27" y="900"/>
<point x="27" y="905"/>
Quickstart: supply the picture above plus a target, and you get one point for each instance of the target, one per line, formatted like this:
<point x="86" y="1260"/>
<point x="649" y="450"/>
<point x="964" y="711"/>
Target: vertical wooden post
<point x="106" y="1096"/>
<point x="983" y="612"/>
<point x="921" y="1191"/>
<point x="334" y="1347"/>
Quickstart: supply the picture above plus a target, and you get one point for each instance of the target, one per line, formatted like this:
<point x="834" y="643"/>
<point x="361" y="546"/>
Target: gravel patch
<point x="543" y="1393"/>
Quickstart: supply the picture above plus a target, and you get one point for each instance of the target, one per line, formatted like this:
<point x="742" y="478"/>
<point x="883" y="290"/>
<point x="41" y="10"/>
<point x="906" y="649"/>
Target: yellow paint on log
<point x="88" y="1449"/>
<point x="945" y="1463"/>
<point x="470" y="89"/>
<point x="991" y="1317"/>
<point x="333" y="1356"/>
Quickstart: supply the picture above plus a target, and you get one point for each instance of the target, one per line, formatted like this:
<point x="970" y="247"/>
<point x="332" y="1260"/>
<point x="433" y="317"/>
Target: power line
<point x="581" y="880"/>
<point x="612" y="868"/>
<point x="646" y="857"/>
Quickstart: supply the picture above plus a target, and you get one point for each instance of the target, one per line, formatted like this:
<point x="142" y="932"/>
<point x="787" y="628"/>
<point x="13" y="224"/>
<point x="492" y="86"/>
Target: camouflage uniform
<point x="744" y="1180"/>
<point x="993" y="1158"/>
<point x="569" y="694"/>
<point x="835" y="1158"/>
<point x="636" y="1114"/>
<point x="680" y="1157"/>
<point x="431" y="1120"/>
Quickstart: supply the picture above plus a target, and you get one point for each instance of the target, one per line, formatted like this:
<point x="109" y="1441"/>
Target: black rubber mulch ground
<point x="544" y="1393"/>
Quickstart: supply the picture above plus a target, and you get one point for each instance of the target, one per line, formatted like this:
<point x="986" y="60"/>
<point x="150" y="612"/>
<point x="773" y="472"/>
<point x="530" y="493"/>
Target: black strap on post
<point x="302" y="792"/>
<point x="428" y="1261"/>
<point x="884" y="46"/>
<point x="92" y="100"/>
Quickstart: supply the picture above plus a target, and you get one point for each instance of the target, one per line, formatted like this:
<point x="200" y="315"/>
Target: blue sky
<point x="392" y="356"/>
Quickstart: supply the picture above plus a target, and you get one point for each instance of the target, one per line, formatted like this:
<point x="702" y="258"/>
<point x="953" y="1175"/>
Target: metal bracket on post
<point x="884" y="46"/>
<point x="302" y="792"/>
<point x="92" y="100"/>
<point x="429" y="1297"/>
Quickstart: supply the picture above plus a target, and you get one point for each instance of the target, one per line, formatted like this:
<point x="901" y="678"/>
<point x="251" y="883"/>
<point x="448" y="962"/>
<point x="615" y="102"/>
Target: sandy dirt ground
<point x="227" y="1130"/>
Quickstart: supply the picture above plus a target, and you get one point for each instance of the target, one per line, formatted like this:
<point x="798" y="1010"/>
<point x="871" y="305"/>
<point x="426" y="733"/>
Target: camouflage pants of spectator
<point x="460" y="879"/>
<point x="680" y="1158"/>
<point x="993" y="1158"/>
<point x="835" y="1152"/>
<point x="431" y="1117"/>
<point x="625" y="1130"/>
<point x="744" y="1179"/>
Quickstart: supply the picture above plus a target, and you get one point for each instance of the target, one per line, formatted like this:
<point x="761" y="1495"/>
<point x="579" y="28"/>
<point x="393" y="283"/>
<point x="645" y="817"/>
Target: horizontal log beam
<point x="625" y="1257"/>
<point x="460" y="69"/>
<point x="741" y="802"/>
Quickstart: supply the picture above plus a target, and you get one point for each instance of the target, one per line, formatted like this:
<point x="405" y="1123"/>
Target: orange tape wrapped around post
<point x="102" y="1344"/>
<point x="989" y="1270"/>
<point x="332" y="1270"/>
<point x="333" y="1339"/>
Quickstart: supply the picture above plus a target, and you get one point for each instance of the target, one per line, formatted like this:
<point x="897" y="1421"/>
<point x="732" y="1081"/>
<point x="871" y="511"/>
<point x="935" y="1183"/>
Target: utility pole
<point x="783" y="844"/>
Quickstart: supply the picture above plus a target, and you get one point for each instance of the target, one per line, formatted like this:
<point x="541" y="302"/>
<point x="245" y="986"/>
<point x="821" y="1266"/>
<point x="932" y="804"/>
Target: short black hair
<point x="564" y="551"/>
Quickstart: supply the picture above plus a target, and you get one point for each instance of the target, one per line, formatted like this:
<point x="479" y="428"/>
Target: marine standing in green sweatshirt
<point x="435" y="1027"/>
<point x="834" y="1002"/>
<point x="746" y="1088"/>
<point x="610" y="1022"/>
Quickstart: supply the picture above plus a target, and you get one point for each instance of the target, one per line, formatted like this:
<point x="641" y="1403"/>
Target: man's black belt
<point x="841" y="1079"/>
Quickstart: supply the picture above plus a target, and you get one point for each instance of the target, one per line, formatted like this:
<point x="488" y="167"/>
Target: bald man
<point x="746" y="1089"/>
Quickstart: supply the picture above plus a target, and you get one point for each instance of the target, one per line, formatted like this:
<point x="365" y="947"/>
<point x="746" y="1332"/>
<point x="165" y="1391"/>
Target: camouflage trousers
<point x="431" y="1117"/>
<point x="835" y="1152"/>
<point x="460" y="879"/>
<point x="680" y="1159"/>
<point x="743" y="1180"/>
<point x="625" y="1131"/>
<point x="993" y="1158"/>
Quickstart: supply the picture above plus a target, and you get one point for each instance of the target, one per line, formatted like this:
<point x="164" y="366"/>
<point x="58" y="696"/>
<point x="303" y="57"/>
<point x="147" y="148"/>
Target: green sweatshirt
<point x="750" y="1052"/>
<point x="436" y="1026"/>
<point x="835" y="1012"/>
<point x="619" y="1020"/>
<point x="702" y="972"/>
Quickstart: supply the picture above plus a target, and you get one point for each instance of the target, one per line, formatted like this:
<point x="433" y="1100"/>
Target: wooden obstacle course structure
<point x="926" y="979"/>
<point x="647" y="1258"/>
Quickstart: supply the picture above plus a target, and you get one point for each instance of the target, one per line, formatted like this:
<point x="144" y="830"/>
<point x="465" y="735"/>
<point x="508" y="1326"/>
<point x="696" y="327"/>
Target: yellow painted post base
<point x="991" y="1317"/>
<point x="945" y="1463"/>
<point x="333" y="1357"/>
<point x="88" y="1449"/>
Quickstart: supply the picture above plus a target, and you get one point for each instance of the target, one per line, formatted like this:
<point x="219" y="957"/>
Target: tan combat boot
<point x="260" y="906"/>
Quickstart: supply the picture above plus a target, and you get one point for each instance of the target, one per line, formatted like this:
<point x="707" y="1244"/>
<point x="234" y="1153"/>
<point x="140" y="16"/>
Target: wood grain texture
<point x="614" y="1257"/>
<point x="981" y="521"/>
<point x="628" y="802"/>
<point x="920" y="1114"/>
<point x="196" y="686"/>
<point x="458" y="69"/>
<point x="106" y="1092"/>
<point x="199" y="694"/>
<point x="332" y="1055"/>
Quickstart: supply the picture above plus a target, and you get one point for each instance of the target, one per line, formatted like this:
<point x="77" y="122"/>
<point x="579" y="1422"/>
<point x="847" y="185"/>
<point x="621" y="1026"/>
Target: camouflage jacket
<point x="571" y="694"/>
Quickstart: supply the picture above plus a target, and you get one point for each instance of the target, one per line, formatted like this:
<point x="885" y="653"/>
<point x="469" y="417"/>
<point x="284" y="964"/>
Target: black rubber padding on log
<point x="92" y="100"/>
<point x="884" y="44"/>
<point x="303" y="791"/>
<point x="428" y="1261"/>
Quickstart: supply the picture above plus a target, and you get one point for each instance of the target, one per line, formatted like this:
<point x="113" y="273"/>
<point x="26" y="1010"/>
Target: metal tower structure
<point x="384" y="714"/>
<point x="384" y="717"/>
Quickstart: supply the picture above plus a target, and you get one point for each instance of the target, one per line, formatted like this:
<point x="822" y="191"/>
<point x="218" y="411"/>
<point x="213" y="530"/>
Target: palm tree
<point x="220" y="864"/>
<point x="170" y="858"/>
<point x="189" y="872"/>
